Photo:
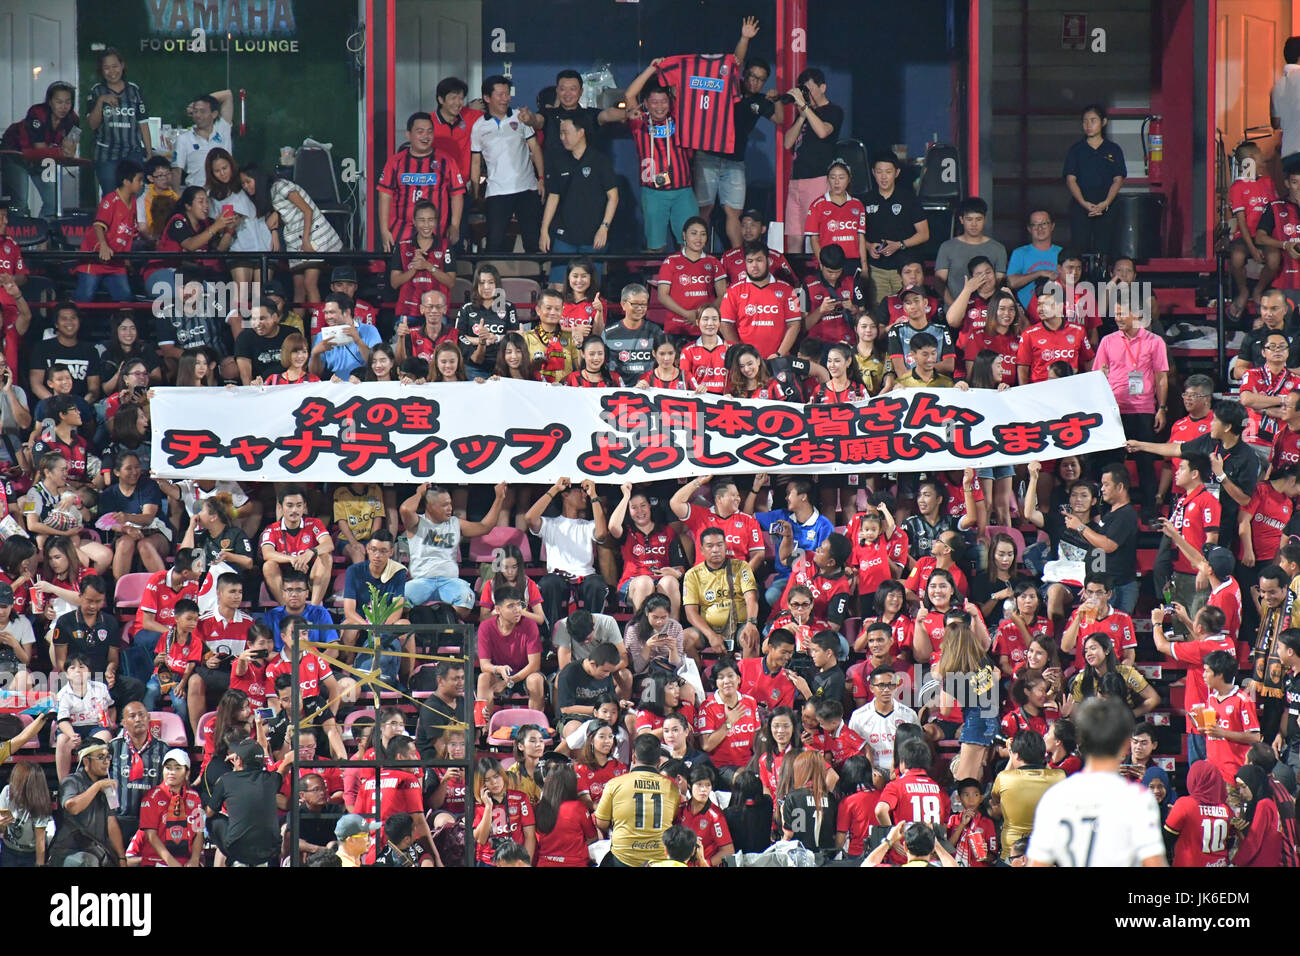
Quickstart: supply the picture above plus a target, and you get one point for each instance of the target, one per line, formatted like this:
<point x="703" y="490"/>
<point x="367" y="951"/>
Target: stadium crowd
<point x="698" y="668"/>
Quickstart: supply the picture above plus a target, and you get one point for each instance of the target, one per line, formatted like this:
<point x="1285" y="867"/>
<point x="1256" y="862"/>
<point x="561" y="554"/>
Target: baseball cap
<point x="353" y="824"/>
<point x="911" y="290"/>
<point x="180" y="756"/>
<point x="1221" y="560"/>
<point x="6" y="594"/>
<point x="343" y="274"/>
<point x="753" y="214"/>
<point x="273" y="287"/>
<point x="250" y="754"/>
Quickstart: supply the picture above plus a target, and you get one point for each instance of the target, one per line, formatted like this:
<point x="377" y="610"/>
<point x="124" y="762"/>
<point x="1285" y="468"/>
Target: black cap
<point x="911" y="290"/>
<point x="6" y="594"/>
<point x="1220" y="560"/>
<point x="273" y="287"/>
<point x="250" y="754"/>
<point x="343" y="274"/>
<point x="753" y="214"/>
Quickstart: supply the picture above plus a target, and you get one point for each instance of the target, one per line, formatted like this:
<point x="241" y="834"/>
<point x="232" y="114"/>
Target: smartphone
<point x="227" y="210"/>
<point x="265" y="714"/>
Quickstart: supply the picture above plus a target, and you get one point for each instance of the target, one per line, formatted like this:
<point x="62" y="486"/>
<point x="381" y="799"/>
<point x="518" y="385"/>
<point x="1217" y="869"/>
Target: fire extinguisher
<point x="1153" y="147"/>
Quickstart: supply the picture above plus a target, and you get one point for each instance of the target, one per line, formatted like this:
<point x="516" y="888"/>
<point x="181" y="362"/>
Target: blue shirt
<point x="357" y="581"/>
<point x="146" y="492"/>
<point x="1095" y="169"/>
<point x="807" y="537"/>
<point x="1026" y="259"/>
<point x="343" y="360"/>
<point x="312" y="614"/>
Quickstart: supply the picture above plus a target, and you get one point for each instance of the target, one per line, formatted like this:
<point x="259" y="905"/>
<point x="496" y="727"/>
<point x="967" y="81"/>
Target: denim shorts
<point x="996" y="473"/>
<point x="976" y="729"/>
<point x="718" y="176"/>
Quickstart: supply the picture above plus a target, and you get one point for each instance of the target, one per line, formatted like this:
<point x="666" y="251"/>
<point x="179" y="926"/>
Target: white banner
<point x="525" y="431"/>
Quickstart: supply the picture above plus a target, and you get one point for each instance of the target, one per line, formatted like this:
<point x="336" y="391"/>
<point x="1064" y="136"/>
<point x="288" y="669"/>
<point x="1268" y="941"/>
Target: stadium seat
<point x="484" y="547"/>
<point x="130" y="589"/>
<point x="353" y="717"/>
<point x="170" y="728"/>
<point x="519" y="289"/>
<point x="515" y="717"/>
<point x="1010" y="532"/>
<point x="206" y="723"/>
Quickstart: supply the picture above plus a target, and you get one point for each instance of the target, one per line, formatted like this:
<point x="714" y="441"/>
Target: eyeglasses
<point x="803" y="604"/>
<point x="1193" y="393"/>
<point x="1276" y="347"/>
<point x="1039" y="225"/>
<point x="295" y="590"/>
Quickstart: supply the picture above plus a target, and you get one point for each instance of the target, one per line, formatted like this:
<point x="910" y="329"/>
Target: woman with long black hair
<point x="564" y="827"/>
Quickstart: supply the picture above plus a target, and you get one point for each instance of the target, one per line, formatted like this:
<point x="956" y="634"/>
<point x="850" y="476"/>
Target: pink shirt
<point x="1143" y="354"/>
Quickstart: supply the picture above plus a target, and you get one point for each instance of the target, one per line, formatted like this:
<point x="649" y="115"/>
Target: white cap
<point x="180" y="756"/>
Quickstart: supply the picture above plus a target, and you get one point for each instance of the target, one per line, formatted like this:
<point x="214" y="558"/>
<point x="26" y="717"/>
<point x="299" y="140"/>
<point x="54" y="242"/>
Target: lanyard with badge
<point x="1136" y="385"/>
<point x="665" y="133"/>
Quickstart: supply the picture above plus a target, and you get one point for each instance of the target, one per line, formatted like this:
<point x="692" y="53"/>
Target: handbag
<point x="733" y="613"/>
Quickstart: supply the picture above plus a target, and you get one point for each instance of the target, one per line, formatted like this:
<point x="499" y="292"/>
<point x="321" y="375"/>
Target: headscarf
<point x="1205" y="784"/>
<point x="1257" y="781"/>
<point x="1156" y="773"/>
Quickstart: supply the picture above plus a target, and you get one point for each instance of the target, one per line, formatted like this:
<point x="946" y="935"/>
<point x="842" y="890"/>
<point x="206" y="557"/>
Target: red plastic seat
<point x="484" y="547"/>
<point x="129" y="590"/>
<point x="170" y="728"/>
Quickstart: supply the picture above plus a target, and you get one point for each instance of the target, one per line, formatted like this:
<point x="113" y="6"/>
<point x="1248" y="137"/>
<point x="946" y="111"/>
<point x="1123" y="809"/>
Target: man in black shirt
<point x="582" y="683"/>
<point x="88" y="834"/>
<point x="568" y="93"/>
<point x="249" y="832"/>
<point x="895" y="222"/>
<point x="1113" y="538"/>
<point x="581" y="196"/>
<point x="79" y="358"/>
<point x="257" y="350"/>
<point x="1276" y="316"/>
<point x="812" y="135"/>
<point x="445" y="706"/>
<point x="90" y="632"/>
<point x="136" y="759"/>
<point x="1234" y="463"/>
<point x="631" y="342"/>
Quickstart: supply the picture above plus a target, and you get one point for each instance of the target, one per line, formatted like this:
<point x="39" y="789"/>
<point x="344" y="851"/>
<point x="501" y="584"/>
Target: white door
<point x="435" y="39"/>
<point x="38" y="45"/>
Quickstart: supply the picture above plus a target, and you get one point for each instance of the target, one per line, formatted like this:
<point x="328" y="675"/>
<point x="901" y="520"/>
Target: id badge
<point x="1135" y="383"/>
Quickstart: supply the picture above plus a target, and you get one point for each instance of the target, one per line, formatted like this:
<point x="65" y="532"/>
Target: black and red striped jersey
<point x="409" y="179"/>
<point x="708" y="87"/>
<point x="661" y="152"/>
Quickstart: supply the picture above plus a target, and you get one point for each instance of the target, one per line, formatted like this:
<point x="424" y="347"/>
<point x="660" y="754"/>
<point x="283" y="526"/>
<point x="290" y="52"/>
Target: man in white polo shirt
<point x="211" y="114"/>
<point x="515" y="174"/>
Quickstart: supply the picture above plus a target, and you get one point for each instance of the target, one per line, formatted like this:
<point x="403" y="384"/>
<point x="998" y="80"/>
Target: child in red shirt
<point x="178" y="654"/>
<point x="249" y="670"/>
<point x="973" y="834"/>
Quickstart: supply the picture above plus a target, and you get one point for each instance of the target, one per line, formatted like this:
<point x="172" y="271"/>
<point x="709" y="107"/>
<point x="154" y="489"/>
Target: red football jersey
<point x="708" y="88"/>
<point x="1227" y="598"/>
<point x="855" y="816"/>
<point x="592" y="780"/>
<point x="1195" y="515"/>
<point x="306" y="537"/>
<point x="1193" y="654"/>
<point x="1269" y="511"/>
<point x="839" y="746"/>
<point x="1185" y="429"/>
<point x="454" y="798"/>
<point x="11" y="257"/>
<point x="872" y="564"/>
<point x="1236" y="712"/>
<point x="920" y="576"/>
<point x="737" y="747"/>
<point x="977" y="842"/>
<point x="409" y="179"/>
<point x="770" y="690"/>
<point x="837" y="224"/>
<point x="703" y="365"/>
<point x="225" y="637"/>
<point x="1005" y="345"/>
<point x="1017" y="720"/>
<point x="895" y="306"/>
<point x="833" y="326"/>
<point x="690" y="284"/>
<point x="1040" y="347"/>
<point x="1284" y="217"/>
<point x="1261" y="428"/>
<point x="180" y="653"/>
<point x="914" y="797"/>
<point x="159" y="599"/>
<point x="575" y="314"/>
<point x="1286" y="449"/>
<point x="177" y="818"/>
<point x="651" y="379"/>
<point x="733" y="262"/>
<point x="803" y="633"/>
<point x="643" y="554"/>
<point x="742" y="531"/>
<point x="419" y="345"/>
<point x="1251" y="197"/>
<point x="710" y="826"/>
<point x="830" y="594"/>
<point x="313" y="670"/>
<point x="661" y="151"/>
<point x="648" y="721"/>
<point x="399" y="793"/>
<point x="253" y="683"/>
<point x="119" y="218"/>
<point x="1202" y="830"/>
<point x="1009" y="642"/>
<point x="761" y="313"/>
<point x="508" y="820"/>
<point x="1080" y="309"/>
<point x="1117" y="626"/>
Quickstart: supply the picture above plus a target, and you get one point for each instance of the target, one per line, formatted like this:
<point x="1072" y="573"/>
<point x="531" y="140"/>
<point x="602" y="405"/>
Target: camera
<point x="802" y="665"/>
<point x="661" y="179"/>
